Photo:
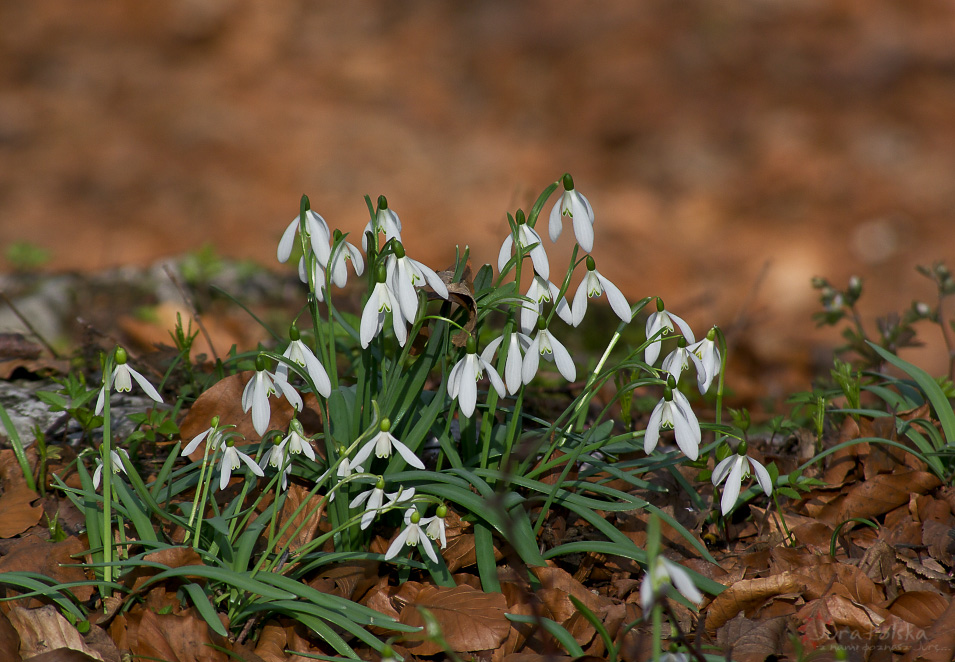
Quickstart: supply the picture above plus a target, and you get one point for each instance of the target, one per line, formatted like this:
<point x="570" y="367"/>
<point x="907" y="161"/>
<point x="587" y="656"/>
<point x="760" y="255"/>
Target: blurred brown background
<point x="731" y="151"/>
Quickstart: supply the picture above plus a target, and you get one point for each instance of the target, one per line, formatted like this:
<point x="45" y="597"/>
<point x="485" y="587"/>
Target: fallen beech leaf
<point x="16" y="513"/>
<point x="752" y="640"/>
<point x="51" y="559"/>
<point x="63" y="655"/>
<point x="305" y="524"/>
<point x="470" y="620"/>
<point x="43" y="630"/>
<point x="271" y="644"/>
<point x="9" y="640"/>
<point x="921" y="608"/>
<point x="939" y="642"/>
<point x="180" y="637"/>
<point x="748" y="594"/>
<point x="878" y="495"/>
<point x="940" y="539"/>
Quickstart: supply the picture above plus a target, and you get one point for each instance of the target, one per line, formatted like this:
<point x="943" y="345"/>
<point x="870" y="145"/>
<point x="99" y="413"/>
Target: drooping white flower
<point x="542" y="290"/>
<point x="318" y="276"/>
<point x="434" y="526"/>
<point x="411" y="535"/>
<point x="232" y="459"/>
<point x="342" y="253"/>
<point x="663" y="320"/>
<point x="345" y="468"/>
<point x="381" y="302"/>
<point x="383" y="443"/>
<point x="316" y="231"/>
<point x="277" y="457"/>
<point x="593" y="285"/>
<point x="660" y="579"/>
<point x="116" y="463"/>
<point x="121" y="379"/>
<point x="301" y="354"/>
<point x="679" y="360"/>
<point x="213" y="433"/>
<point x="256" y="394"/>
<point x="404" y="275"/>
<point x="526" y="236"/>
<point x="546" y="345"/>
<point x="462" y="381"/>
<point x="674" y="411"/>
<point x="573" y="204"/>
<point x="517" y="343"/>
<point x="733" y="469"/>
<point x="385" y="221"/>
<point x="376" y="501"/>
<point x="709" y="354"/>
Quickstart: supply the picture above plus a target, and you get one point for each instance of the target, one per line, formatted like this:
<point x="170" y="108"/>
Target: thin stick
<point x="29" y="326"/>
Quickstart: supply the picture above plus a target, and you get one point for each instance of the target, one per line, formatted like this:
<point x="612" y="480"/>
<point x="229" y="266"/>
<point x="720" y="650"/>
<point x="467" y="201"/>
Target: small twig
<point x="192" y="307"/>
<point x="28" y="325"/>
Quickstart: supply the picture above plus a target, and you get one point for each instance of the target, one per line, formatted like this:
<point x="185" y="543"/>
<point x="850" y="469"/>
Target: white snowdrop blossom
<point x="232" y="459"/>
<point x="318" y="277"/>
<point x="381" y="302"/>
<point x="593" y="285"/>
<point x="679" y="360"/>
<point x="211" y="435"/>
<point x="377" y="500"/>
<point x="277" y="457"/>
<point x="546" y="345"/>
<point x="382" y="444"/>
<point x="115" y="461"/>
<point x="345" y="469"/>
<point x="526" y="236"/>
<point x="575" y="205"/>
<point x="709" y="354"/>
<point x="674" y="411"/>
<point x="316" y="231"/>
<point x="301" y="354"/>
<point x="386" y="221"/>
<point x="434" y="526"/>
<point x="660" y="579"/>
<point x="517" y="343"/>
<point x="256" y="394"/>
<point x="411" y="535"/>
<point x="121" y="380"/>
<point x="404" y="275"/>
<point x="663" y="320"/>
<point x="733" y="469"/>
<point x="342" y="253"/>
<point x="542" y="290"/>
<point x="462" y="381"/>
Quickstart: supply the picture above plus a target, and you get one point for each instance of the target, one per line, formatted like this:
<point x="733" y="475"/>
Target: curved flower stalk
<point x="381" y="302"/>
<point x="316" y="231"/>
<point x="412" y="534"/>
<point x="462" y="381"/>
<point x="376" y="500"/>
<point x="709" y="354"/>
<point x="674" y="412"/>
<point x="115" y="461"/>
<point x="404" y="275"/>
<point x="382" y="444"/>
<point x="232" y="459"/>
<point x="121" y="380"/>
<point x="573" y="204"/>
<point x="679" y="360"/>
<point x="593" y="285"/>
<point x="663" y="320"/>
<point x="546" y="345"/>
<point x="386" y="221"/>
<point x="517" y="343"/>
<point x="300" y="354"/>
<point x="542" y="290"/>
<point x="733" y="469"/>
<point x="525" y="236"/>
<point x="342" y="253"/>
<point x="256" y="394"/>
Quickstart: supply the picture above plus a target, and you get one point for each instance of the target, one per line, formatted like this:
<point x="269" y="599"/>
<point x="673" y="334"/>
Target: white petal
<point x="646" y="593"/>
<point x="291" y="394"/>
<point x="454" y="378"/>
<point x="538" y="254"/>
<point x="514" y="364"/>
<point x="652" y="435"/>
<point x="583" y="226"/>
<point x="250" y="463"/>
<point x="681" y="580"/>
<point x="407" y="455"/>
<point x="531" y="360"/>
<point x="429" y="548"/>
<point x="317" y="372"/>
<point x="563" y="310"/>
<point x="398" y="543"/>
<point x="398" y="325"/>
<point x="505" y="254"/>
<point x="287" y="241"/>
<point x="762" y="476"/>
<point x="731" y="489"/>
<point x="563" y="360"/>
<point x="145" y="385"/>
<point x="490" y="348"/>
<point x="194" y="444"/>
<point x="225" y="474"/>
<point x="356" y="259"/>
<point x="556" y="223"/>
<point x="687" y="331"/>
<point x="687" y="430"/>
<point x="618" y="302"/>
<point x="434" y="280"/>
<point x="360" y="499"/>
<point x="722" y="469"/>
<point x="467" y="385"/>
<point x="261" y="412"/>
<point x="100" y="401"/>
<point x="494" y="378"/>
<point x="579" y="307"/>
<point x="370" y="325"/>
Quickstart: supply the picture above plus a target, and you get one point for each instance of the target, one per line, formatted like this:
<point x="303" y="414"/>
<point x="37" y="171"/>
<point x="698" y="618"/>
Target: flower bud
<point x="660" y="306"/>
<point x="568" y="182"/>
<point x="415" y="517"/>
<point x="471" y="345"/>
<point x="385" y="425"/>
<point x="381" y="276"/>
<point x="399" y="249"/>
<point x="293" y="333"/>
<point x="120" y="355"/>
<point x="442" y="511"/>
<point x="519" y="218"/>
<point x="742" y="448"/>
<point x="591" y="265"/>
<point x="382" y="202"/>
<point x="380" y="483"/>
<point x="261" y="362"/>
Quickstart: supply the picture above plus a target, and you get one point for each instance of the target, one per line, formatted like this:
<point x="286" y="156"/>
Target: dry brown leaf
<point x="16" y="512"/>
<point x="175" y="557"/>
<point x="470" y="620"/>
<point x="940" y="538"/>
<point x="921" y="608"/>
<point x="752" y="640"/>
<point x="180" y="637"/>
<point x="55" y="560"/>
<point x="939" y="642"/>
<point x="305" y="523"/>
<point x="749" y="594"/>
<point x="9" y="640"/>
<point x="43" y="630"/>
<point x="271" y="644"/>
<point x="63" y="655"/>
<point x="878" y="495"/>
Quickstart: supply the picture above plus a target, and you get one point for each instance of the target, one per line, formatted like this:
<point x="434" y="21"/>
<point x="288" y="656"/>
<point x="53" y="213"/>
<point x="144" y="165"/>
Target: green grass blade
<point x="205" y="609"/>
<point x="553" y="628"/>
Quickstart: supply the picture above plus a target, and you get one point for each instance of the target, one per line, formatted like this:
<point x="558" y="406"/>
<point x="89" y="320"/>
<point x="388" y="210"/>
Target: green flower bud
<point x="120" y="355"/>
<point x="261" y="362"/>
<point x="660" y="306"/>
<point x="399" y="250"/>
<point x="385" y="425"/>
<point x="215" y="422"/>
<point x="591" y="265"/>
<point x="568" y="182"/>
<point x="541" y="323"/>
<point x="472" y="345"/>
<point x="442" y="511"/>
<point x="381" y="275"/>
<point x="415" y="517"/>
<point x="519" y="218"/>
<point x="742" y="448"/>
<point x="380" y="484"/>
<point x="711" y="334"/>
<point x="382" y="202"/>
<point x="304" y="205"/>
<point x="293" y="333"/>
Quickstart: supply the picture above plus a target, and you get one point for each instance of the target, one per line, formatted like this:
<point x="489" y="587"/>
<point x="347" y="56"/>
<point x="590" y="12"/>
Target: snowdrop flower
<point x="213" y="434"/>
<point x="576" y="206"/>
<point x="382" y="443"/>
<point x="664" y="320"/>
<point x="709" y="354"/>
<point x="514" y="363"/>
<point x="381" y="302"/>
<point x="434" y="526"/>
<point x="256" y="394"/>
<point x="231" y="457"/>
<point x="411" y="535"/>
<point x="316" y="231"/>
<point x="660" y="579"/>
<point x="546" y="345"/>
<point x="343" y="252"/>
<point x="404" y="275"/>
<point x="679" y="360"/>
<point x="277" y="457"/>
<point x="385" y="221"/>
<point x="462" y="381"/>
<point x="376" y="502"/>
<point x="526" y="236"/>
<point x="299" y="353"/>
<point x="318" y="276"/>
<point x="116" y="463"/>
<point x="593" y="285"/>
<point x="122" y="380"/>
<point x="345" y="469"/>
<point x="674" y="411"/>
<point x="542" y="290"/>
<point x="733" y="469"/>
